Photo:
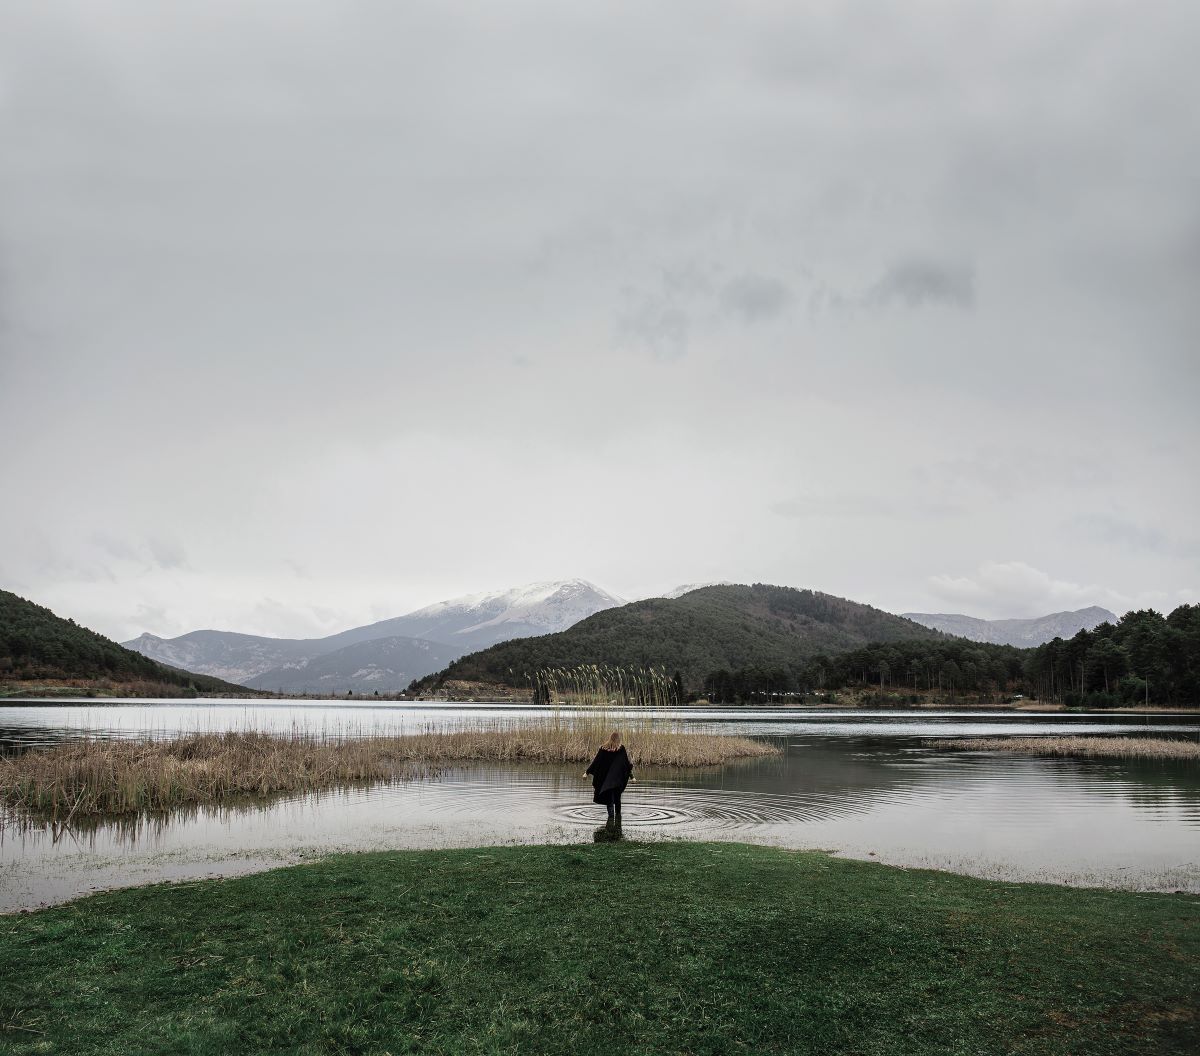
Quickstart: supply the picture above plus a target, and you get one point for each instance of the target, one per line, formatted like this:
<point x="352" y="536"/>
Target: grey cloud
<point x="690" y="296"/>
<point x="156" y="551"/>
<point x="263" y="272"/>
<point x="660" y="317"/>
<point x="916" y="282"/>
<point x="1014" y="588"/>
<point x="1013" y="473"/>
<point x="658" y="325"/>
<point x="861" y="505"/>
<point x="1115" y="530"/>
<point x="755" y="297"/>
<point x="166" y="553"/>
<point x="111" y="546"/>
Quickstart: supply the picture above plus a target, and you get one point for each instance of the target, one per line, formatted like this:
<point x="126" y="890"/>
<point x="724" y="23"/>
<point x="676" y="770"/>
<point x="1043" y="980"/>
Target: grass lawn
<point x="606" y="948"/>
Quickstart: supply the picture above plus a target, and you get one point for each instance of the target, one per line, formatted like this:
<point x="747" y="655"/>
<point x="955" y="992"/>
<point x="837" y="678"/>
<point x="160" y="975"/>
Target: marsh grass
<point x="577" y="742"/>
<point x="605" y="685"/>
<point x="1077" y="747"/>
<point x="90" y="777"/>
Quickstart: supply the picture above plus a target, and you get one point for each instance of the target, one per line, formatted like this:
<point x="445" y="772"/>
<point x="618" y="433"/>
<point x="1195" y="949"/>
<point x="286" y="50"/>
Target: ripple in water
<point x="647" y="805"/>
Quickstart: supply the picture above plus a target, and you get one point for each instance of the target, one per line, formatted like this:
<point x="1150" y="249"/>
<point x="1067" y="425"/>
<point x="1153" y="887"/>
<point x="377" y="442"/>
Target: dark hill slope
<point x="36" y="644"/>
<point x="705" y="630"/>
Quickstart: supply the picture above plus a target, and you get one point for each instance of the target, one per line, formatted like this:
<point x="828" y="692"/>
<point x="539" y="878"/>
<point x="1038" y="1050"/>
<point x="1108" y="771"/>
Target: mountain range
<point x="1021" y="633"/>
<point x="386" y="655"/>
<point x="704" y="630"/>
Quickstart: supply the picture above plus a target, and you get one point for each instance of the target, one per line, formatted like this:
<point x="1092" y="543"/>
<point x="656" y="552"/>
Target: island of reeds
<point x="91" y="777"/>
<point x="1077" y="747"/>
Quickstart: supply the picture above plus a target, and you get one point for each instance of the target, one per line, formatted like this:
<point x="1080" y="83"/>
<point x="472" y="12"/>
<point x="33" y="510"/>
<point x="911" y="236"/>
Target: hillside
<point x="712" y="628"/>
<point x="38" y="646"/>
<point x="386" y="665"/>
<point x="1021" y="633"/>
<point x="451" y="628"/>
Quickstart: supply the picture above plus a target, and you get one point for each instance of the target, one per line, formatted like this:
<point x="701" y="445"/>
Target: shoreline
<point x="1033" y="707"/>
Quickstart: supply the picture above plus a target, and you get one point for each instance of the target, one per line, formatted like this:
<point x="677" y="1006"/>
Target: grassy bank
<point x="1077" y="747"/>
<point x="646" y="948"/>
<point x="105" y="777"/>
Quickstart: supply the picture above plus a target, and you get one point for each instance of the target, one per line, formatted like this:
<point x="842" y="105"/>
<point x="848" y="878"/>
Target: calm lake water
<point x="857" y="782"/>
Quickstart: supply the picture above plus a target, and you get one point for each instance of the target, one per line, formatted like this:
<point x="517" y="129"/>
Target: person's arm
<point x="592" y="766"/>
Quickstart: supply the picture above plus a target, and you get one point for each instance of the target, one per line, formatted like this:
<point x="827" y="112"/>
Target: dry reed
<point x="114" y="777"/>
<point x="569" y="744"/>
<point x="1077" y="747"/>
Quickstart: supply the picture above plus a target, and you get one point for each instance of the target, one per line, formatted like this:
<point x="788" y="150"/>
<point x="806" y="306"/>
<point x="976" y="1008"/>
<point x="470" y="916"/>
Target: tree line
<point x="1144" y="658"/>
<point x="952" y="666"/>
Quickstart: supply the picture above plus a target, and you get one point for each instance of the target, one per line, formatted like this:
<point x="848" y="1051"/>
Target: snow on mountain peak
<point x="687" y="588"/>
<point x="553" y="605"/>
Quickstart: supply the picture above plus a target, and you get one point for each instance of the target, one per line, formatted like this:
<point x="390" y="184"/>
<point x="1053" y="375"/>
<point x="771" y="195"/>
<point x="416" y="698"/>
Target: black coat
<point x="610" y="772"/>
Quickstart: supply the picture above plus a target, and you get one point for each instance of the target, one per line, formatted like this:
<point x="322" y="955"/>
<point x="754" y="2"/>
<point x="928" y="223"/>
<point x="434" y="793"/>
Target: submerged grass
<point x="1078" y="747"/>
<point x="113" y="777"/>
<point x="619" y="947"/>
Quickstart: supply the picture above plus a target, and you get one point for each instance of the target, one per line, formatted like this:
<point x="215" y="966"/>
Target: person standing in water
<point x="610" y="772"/>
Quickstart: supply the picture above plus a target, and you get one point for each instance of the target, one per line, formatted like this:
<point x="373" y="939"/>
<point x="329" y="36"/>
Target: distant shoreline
<point x="78" y="697"/>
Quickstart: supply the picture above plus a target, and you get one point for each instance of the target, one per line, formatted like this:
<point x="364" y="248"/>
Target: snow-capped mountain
<point x="454" y="627"/>
<point x="538" y="608"/>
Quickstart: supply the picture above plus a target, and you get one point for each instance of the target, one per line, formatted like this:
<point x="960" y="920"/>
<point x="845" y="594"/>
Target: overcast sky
<point x="313" y="313"/>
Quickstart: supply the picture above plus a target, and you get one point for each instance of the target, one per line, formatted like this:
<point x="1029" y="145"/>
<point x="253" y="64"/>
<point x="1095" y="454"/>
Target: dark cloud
<point x="916" y="282"/>
<point x="755" y="297"/>
<point x="166" y="553"/>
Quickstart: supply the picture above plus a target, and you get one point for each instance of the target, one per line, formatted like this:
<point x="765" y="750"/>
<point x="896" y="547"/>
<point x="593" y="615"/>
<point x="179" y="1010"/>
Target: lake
<point x="856" y="782"/>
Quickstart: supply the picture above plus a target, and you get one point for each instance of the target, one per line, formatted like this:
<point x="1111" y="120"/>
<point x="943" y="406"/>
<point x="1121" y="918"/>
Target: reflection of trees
<point x="129" y="830"/>
<point x="17" y="739"/>
<point x="867" y="771"/>
<point x="1160" y="786"/>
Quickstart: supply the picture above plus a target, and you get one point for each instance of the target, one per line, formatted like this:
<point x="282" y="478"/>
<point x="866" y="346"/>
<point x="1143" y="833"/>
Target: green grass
<point x="617" y="948"/>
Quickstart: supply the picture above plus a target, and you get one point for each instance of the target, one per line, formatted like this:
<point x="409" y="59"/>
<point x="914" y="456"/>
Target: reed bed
<point x="1077" y="747"/>
<point x="605" y="685"/>
<point x="571" y="744"/>
<point x="118" y="777"/>
<point x="89" y="777"/>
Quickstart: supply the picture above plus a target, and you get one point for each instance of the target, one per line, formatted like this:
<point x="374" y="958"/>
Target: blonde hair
<point x="613" y="742"/>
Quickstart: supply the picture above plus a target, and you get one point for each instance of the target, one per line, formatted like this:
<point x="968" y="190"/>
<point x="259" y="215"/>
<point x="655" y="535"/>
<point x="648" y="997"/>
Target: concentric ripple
<point x="718" y="808"/>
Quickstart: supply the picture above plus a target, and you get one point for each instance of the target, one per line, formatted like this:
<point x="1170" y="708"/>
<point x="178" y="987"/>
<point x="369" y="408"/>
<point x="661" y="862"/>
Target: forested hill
<point x="705" y="630"/>
<point x="1143" y="658"/>
<point x="35" y="644"/>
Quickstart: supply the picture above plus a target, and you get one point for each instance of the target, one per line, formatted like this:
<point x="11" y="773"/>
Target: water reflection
<point x="23" y="725"/>
<point x="840" y="784"/>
